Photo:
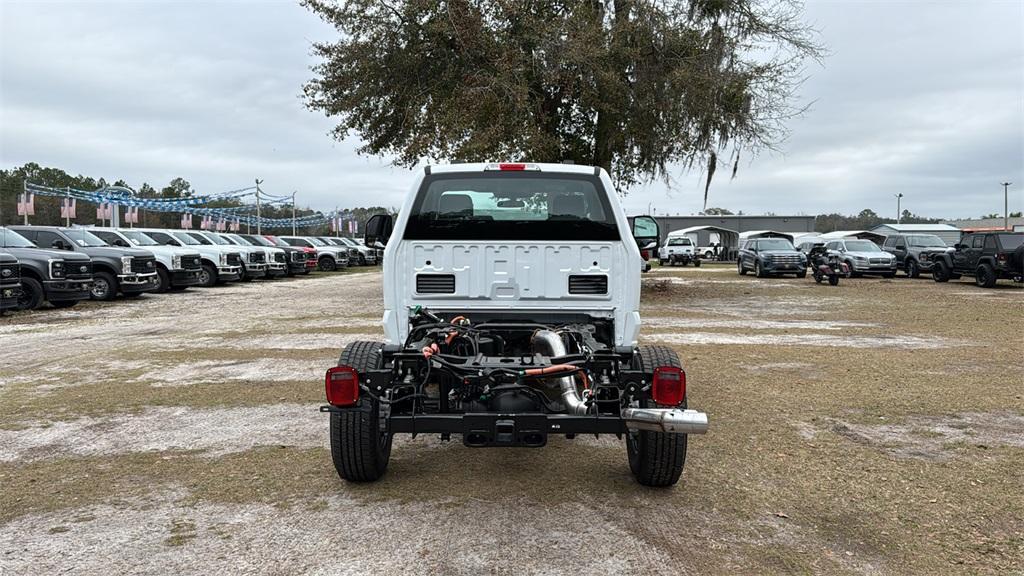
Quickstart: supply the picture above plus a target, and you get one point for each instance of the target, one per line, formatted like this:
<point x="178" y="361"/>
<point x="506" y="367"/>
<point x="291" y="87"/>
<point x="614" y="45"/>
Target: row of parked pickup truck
<point x="63" y="266"/>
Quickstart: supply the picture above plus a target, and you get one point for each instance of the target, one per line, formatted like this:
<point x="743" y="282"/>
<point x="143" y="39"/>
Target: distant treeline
<point x="47" y="209"/>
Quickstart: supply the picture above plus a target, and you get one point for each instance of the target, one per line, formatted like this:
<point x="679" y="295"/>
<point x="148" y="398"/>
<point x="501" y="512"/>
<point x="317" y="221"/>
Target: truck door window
<point x="979" y="241"/>
<point x="46" y="239"/>
<point x="502" y="206"/>
<point x="990" y="243"/>
<point x="901" y="243"/>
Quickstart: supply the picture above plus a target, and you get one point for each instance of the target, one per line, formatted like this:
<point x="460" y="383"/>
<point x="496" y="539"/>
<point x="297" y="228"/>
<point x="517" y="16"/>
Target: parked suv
<point x="59" y="277"/>
<point x="329" y="257"/>
<point x="914" y="252"/>
<point x="988" y="256"/>
<point x="864" y="257"/>
<point x="511" y="313"/>
<point x="129" y="271"/>
<point x="767" y="256"/>
<point x="10" y="281"/>
<point x="176" y="268"/>
<point x="218" y="265"/>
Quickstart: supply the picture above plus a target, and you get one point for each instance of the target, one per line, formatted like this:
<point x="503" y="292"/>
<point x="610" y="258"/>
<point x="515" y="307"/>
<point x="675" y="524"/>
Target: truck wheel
<point x="912" y="269"/>
<point x="708" y="255"/>
<point x="31" y="294"/>
<point x="939" y="272"/>
<point x="696" y="263"/>
<point x="656" y="458"/>
<point x="802" y="274"/>
<point x="740" y="268"/>
<point x="208" y="276"/>
<point x="163" y="280"/>
<point x="104" y="286"/>
<point x="833" y="279"/>
<point x="360" y="450"/>
<point x="327" y="264"/>
<point x="985" y="276"/>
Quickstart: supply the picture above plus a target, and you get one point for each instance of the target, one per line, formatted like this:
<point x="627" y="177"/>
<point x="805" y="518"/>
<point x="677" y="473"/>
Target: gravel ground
<point x="870" y="428"/>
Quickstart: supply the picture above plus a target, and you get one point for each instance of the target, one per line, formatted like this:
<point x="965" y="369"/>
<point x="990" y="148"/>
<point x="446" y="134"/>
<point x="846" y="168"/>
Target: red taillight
<point x="1001" y="257"/>
<point x="669" y="385"/>
<point x="342" y="385"/>
<point x="512" y="166"/>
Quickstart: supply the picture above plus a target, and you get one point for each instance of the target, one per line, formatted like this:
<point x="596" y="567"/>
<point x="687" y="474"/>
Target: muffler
<point x="666" y="420"/>
<point x="546" y="341"/>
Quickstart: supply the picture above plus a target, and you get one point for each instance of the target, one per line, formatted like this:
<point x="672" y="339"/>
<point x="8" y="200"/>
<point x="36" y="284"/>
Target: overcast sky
<point x="922" y="98"/>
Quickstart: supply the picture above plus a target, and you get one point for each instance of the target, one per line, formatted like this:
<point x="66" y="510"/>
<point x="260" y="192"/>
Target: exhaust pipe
<point x="666" y="420"/>
<point x="555" y="348"/>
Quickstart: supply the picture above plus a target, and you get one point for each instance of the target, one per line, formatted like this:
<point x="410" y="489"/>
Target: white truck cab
<point x="511" y="313"/>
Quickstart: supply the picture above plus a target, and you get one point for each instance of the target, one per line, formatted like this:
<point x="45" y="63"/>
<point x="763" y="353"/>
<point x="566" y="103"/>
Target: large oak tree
<point x="633" y="86"/>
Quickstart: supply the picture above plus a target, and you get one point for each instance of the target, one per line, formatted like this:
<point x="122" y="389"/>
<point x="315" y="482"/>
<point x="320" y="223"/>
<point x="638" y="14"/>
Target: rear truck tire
<point x="985" y="276"/>
<point x="757" y="269"/>
<point x="696" y="263"/>
<point x="32" y="294"/>
<point x="740" y="268"/>
<point x="656" y="458"/>
<point x="940" y="273"/>
<point x="360" y="450"/>
<point x="64" y="303"/>
<point x="327" y="264"/>
<point x="833" y="279"/>
<point x="208" y="276"/>
<point x="912" y="269"/>
<point x="708" y="255"/>
<point x="104" y="286"/>
<point x="163" y="280"/>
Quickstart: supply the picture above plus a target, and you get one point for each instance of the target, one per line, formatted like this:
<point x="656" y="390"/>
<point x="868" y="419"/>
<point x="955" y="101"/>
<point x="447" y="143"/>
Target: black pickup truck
<point x="987" y="256"/>
<point x="130" y="271"/>
<point x="10" y="281"/>
<point x="55" y="276"/>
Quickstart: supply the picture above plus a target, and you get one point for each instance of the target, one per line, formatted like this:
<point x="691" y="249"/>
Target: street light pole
<point x="259" y="224"/>
<point x="899" y="213"/>
<point x="1006" y="205"/>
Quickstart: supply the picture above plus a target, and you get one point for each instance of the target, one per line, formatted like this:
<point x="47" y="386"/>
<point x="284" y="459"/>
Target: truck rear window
<point x="502" y="206"/>
<point x="1011" y="241"/>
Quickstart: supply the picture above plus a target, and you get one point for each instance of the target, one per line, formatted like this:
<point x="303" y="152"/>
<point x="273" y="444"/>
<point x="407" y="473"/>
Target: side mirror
<point x="174" y="243"/>
<point x="378" y="228"/>
<point x="59" y="245"/>
<point x="957" y="246"/>
<point x="122" y="244"/>
<point x="650" y="245"/>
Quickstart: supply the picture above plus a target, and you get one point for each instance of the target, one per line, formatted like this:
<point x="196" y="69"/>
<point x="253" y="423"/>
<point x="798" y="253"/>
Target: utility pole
<point x="1006" y="205"/>
<point x="899" y="213"/>
<point x="259" y="225"/>
<point x="293" y="214"/>
<point x="67" y="208"/>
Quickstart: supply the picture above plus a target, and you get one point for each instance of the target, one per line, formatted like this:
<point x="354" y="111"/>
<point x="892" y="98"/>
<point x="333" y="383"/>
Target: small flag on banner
<point x="235" y="225"/>
<point x="101" y="212"/>
<point x="22" y="205"/>
<point x="110" y="211"/>
<point x="67" y="208"/>
<point x="221" y="225"/>
<point x="334" y="227"/>
<point x="131" y="215"/>
<point x="186" y="221"/>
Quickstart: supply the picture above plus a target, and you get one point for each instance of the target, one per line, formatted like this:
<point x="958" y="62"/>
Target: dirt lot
<point x="872" y="428"/>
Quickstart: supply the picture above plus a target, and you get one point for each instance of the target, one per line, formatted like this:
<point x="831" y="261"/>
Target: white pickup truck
<point x="678" y="250"/>
<point x="218" y="263"/>
<point x="511" y="313"/>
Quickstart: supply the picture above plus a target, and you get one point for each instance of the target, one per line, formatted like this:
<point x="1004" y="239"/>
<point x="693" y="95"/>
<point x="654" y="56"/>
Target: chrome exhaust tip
<point x="666" y="420"/>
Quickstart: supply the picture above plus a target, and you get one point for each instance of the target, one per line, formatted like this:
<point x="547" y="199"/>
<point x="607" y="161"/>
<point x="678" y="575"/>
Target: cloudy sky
<point x="920" y="98"/>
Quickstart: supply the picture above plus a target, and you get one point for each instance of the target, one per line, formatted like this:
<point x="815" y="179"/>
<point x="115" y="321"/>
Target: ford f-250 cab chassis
<point x="511" y="296"/>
